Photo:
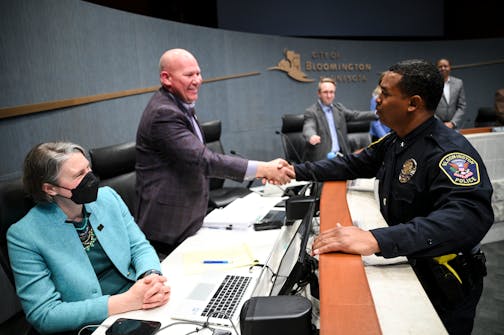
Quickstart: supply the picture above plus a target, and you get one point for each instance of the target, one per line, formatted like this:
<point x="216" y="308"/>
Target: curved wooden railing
<point x="478" y="130"/>
<point x="6" y="112"/>
<point x="346" y="303"/>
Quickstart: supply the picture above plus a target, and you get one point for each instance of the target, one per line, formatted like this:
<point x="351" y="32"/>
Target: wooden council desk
<point x="385" y="299"/>
<point x="373" y="299"/>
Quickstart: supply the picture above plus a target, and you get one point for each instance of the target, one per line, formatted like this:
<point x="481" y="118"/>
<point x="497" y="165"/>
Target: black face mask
<point x="86" y="191"/>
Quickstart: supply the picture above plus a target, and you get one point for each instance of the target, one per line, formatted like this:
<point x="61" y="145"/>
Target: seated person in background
<point x="78" y="256"/>
<point x="452" y="106"/>
<point x="378" y="129"/>
<point x="499" y="106"/>
<point x="325" y="124"/>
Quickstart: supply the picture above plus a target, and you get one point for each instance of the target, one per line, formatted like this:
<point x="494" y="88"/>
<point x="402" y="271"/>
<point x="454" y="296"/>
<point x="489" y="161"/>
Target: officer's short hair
<point x="421" y="78"/>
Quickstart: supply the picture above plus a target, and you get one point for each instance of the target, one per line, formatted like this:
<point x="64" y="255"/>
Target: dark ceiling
<point x="463" y="19"/>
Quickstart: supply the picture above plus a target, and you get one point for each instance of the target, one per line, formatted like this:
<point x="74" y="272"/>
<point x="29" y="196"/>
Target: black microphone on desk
<point x="296" y="153"/>
<point x="289" y="143"/>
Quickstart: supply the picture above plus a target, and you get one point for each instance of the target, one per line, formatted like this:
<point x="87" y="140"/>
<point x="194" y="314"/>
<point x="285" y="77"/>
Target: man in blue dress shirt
<point x="325" y="124"/>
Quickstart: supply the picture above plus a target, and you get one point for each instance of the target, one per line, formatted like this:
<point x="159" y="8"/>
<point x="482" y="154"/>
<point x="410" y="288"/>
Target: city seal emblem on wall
<point x="460" y="168"/>
<point x="291" y="64"/>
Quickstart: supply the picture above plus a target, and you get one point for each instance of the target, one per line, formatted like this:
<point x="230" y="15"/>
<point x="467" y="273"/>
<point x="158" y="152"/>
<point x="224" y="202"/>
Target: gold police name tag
<point x="408" y="170"/>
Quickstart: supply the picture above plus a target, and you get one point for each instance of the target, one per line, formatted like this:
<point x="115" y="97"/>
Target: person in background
<point x="434" y="193"/>
<point x="325" y="124"/>
<point x="499" y="106"/>
<point x="173" y="165"/>
<point x="78" y="256"/>
<point x="377" y="129"/>
<point x="452" y="105"/>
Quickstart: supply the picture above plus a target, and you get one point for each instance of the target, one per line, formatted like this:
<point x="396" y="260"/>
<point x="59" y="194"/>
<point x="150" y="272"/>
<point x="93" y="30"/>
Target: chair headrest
<point x="113" y="160"/>
<point x="14" y="204"/>
<point x="486" y="114"/>
<point x="358" y="126"/>
<point x="212" y="130"/>
<point x="292" y="123"/>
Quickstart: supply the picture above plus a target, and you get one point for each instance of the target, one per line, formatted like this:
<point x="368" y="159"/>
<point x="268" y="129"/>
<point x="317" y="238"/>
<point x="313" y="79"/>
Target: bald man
<point x="173" y="164"/>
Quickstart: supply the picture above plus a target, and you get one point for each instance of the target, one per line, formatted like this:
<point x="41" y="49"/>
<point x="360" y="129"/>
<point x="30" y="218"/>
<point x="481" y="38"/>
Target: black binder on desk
<point x="274" y="219"/>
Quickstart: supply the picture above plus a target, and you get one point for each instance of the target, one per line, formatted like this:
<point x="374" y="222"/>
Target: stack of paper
<point x="240" y="214"/>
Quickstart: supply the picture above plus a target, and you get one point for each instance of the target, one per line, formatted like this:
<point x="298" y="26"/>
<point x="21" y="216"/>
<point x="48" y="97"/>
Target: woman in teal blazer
<point x="78" y="256"/>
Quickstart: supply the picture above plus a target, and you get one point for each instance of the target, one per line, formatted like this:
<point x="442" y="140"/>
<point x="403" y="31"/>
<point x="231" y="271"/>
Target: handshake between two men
<point x="348" y="239"/>
<point x="277" y="172"/>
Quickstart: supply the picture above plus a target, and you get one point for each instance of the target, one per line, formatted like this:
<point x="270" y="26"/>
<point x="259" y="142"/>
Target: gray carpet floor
<point x="490" y="312"/>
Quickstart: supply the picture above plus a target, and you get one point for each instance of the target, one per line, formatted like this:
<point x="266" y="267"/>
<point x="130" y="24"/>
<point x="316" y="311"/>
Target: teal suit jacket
<point x="55" y="280"/>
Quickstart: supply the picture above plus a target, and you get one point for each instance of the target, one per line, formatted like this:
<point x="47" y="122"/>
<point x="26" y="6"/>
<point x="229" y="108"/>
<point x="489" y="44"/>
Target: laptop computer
<point x="217" y="299"/>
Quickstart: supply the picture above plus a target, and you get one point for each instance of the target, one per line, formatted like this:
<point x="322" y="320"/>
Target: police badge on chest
<point x="408" y="170"/>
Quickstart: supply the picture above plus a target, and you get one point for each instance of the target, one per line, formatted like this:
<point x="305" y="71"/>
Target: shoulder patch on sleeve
<point x="460" y="168"/>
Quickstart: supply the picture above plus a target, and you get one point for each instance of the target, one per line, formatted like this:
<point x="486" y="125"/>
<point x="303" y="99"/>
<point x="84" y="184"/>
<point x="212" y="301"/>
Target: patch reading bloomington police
<point x="408" y="170"/>
<point x="462" y="169"/>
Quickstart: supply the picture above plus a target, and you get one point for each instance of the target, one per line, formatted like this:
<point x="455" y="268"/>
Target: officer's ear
<point x="415" y="102"/>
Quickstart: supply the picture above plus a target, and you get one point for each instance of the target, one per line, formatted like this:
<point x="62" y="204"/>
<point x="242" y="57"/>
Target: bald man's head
<point x="180" y="74"/>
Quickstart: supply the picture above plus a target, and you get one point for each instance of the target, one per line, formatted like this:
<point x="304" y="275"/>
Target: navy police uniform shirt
<point x="434" y="191"/>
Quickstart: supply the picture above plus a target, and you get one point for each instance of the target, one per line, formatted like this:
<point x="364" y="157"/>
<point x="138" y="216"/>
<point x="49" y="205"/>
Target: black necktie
<point x="195" y="124"/>
<point x="192" y="112"/>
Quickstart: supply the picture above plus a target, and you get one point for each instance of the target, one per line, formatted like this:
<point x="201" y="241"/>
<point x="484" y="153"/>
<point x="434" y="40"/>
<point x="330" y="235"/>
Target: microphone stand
<point x="289" y="143"/>
<point x="296" y="153"/>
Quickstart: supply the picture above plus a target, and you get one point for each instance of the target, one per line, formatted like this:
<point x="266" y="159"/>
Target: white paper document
<point x="241" y="213"/>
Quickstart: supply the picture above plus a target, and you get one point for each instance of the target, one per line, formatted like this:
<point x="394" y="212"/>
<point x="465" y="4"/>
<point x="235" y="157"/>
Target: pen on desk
<point x="215" y="261"/>
<point x="228" y="227"/>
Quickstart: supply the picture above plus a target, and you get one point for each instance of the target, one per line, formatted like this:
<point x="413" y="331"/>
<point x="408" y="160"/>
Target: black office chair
<point x="115" y="166"/>
<point x="14" y="204"/>
<point x="220" y="195"/>
<point x="293" y="141"/>
<point x="358" y="134"/>
<point x="486" y="117"/>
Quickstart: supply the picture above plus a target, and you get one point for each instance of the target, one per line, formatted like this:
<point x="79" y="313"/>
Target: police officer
<point x="434" y="193"/>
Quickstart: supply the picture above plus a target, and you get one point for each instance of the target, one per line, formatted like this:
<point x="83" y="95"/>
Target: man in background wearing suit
<point x="173" y="165"/>
<point x="325" y="124"/>
<point x="452" y="106"/>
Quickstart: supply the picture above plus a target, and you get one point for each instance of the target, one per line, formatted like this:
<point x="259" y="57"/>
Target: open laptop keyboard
<point x="227" y="297"/>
